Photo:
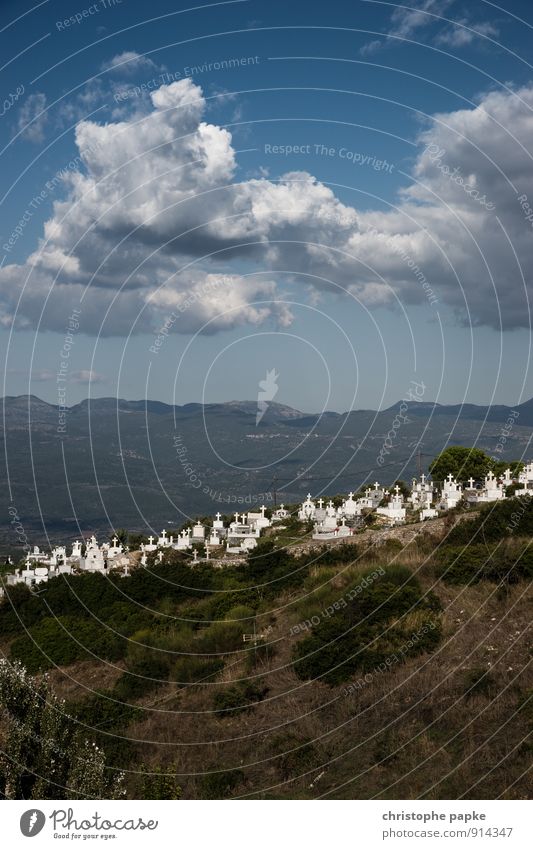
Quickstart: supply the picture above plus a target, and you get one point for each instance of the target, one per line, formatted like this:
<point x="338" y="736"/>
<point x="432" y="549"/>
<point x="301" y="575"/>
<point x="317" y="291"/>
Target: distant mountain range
<point x="142" y="464"/>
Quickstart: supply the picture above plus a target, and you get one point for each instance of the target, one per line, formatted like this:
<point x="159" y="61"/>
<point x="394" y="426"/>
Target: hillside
<point x="385" y="669"/>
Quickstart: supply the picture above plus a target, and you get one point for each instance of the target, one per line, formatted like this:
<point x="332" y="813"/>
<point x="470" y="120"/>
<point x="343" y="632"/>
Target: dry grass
<point x="411" y="732"/>
<point x="426" y="728"/>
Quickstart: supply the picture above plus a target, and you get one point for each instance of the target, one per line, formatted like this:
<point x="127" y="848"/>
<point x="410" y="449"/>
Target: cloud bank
<point x="156" y="221"/>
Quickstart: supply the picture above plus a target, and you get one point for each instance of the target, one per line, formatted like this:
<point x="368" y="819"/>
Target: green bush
<point x="478" y="562"/>
<point x="388" y="620"/>
<point x="108" y="598"/>
<point x="512" y="517"/>
<point x="220" y="785"/>
<point x="104" y="719"/>
<point x="220" y="637"/>
<point x="103" y="710"/>
<point x="159" y="783"/>
<point x="295" y="756"/>
<point x="46" y="753"/>
<point x="239" y="698"/>
<point x="147" y="670"/>
<point x="193" y="670"/>
<point x="65" y="640"/>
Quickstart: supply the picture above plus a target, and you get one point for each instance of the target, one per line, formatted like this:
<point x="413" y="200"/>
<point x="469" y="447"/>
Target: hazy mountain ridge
<point x="118" y="464"/>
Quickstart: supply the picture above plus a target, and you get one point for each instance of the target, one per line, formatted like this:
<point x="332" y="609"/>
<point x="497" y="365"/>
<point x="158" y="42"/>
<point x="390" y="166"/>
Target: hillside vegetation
<point x="391" y="670"/>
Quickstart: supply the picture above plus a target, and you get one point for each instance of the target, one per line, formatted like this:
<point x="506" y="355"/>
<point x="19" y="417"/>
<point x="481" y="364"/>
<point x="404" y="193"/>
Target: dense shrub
<point x="476" y="562"/>
<point x="219" y="785"/>
<point x="387" y="621"/>
<point x="220" y="637"/>
<point x="46" y="755"/>
<point x="105" y="597"/>
<point x="274" y="569"/>
<point x="295" y="756"/>
<point x="221" y="603"/>
<point x="512" y="517"/>
<point x="239" y="698"/>
<point x="147" y="668"/>
<point x="193" y="670"/>
<point x="159" y="783"/>
<point x="103" y="719"/>
<point x="104" y="710"/>
<point x="65" y="640"/>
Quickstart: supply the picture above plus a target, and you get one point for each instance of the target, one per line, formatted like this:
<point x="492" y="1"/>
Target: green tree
<point x="499" y="467"/>
<point x="460" y="462"/>
<point x="47" y="755"/>
<point x="136" y="540"/>
<point x="404" y="489"/>
<point x="122" y="536"/>
<point x="158" y="783"/>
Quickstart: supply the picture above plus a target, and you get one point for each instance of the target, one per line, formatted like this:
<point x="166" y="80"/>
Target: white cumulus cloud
<point x="156" y="221"/>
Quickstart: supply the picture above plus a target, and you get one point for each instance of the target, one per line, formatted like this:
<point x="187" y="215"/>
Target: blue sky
<point x="338" y="191"/>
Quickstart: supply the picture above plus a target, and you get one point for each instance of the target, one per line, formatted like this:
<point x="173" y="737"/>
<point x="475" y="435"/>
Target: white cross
<point x="320" y="503"/>
<point x="376" y="485"/>
<point x="151" y="540"/>
<point x="309" y="496"/>
<point x="471" y="481"/>
<point x="236" y="518"/>
<point x="164" y="534"/>
<point x="114" y="541"/>
<point x="396" y="489"/>
<point x="263" y="508"/>
<point x="450" y="478"/>
<point x="350" y="495"/>
<point x="423" y="478"/>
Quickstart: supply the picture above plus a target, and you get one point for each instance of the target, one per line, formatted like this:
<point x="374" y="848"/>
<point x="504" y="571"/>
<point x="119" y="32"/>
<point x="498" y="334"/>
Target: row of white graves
<point x="394" y="510"/>
<point x="525" y="481"/>
<point x="99" y="558"/>
<point x="244" y="532"/>
<point x="491" y="491"/>
<point x="281" y="514"/>
<point x="40" y="567"/>
<point x="240" y="536"/>
<point x="421" y="498"/>
<point x="330" y="522"/>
